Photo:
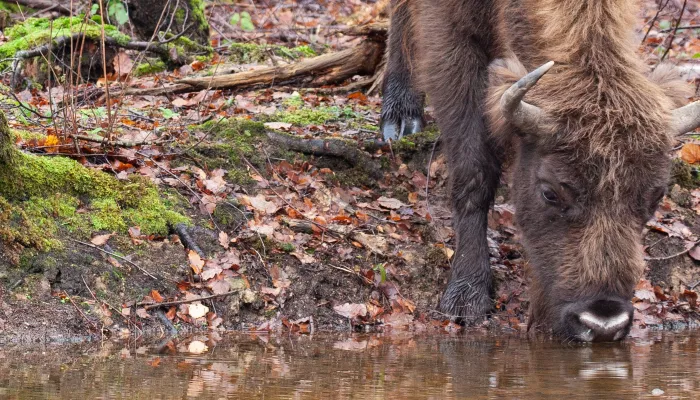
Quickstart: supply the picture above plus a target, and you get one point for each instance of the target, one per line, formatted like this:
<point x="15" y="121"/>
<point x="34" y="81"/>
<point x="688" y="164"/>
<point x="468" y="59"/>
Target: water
<point x="358" y="367"/>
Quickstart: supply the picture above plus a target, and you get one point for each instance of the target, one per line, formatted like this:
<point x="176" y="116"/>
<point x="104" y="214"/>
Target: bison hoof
<point x="466" y="305"/>
<point x="394" y="130"/>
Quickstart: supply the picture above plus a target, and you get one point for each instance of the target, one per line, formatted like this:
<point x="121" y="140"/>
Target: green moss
<point x="286" y="247"/>
<point x="247" y="53"/>
<point x="418" y="141"/>
<point x="314" y="116"/>
<point x="198" y="16"/>
<point x="149" y="67"/>
<point x="684" y="174"/>
<point x="38" y="31"/>
<point x="39" y="195"/>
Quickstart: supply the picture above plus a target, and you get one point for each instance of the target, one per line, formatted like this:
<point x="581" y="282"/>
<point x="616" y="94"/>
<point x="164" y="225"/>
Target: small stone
<point x="657" y="392"/>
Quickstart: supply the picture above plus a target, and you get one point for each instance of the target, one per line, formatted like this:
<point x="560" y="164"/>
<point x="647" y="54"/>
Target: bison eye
<point x="550" y="196"/>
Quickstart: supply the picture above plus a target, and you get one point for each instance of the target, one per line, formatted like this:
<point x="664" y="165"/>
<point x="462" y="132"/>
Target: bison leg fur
<point x="402" y="107"/>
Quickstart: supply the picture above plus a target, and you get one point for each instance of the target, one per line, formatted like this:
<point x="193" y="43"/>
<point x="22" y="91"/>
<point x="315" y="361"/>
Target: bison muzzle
<point x="555" y="88"/>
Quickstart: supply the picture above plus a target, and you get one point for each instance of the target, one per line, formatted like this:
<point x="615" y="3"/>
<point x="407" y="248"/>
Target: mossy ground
<point x="38" y="31"/>
<point x="39" y="196"/>
<point x="245" y="53"/>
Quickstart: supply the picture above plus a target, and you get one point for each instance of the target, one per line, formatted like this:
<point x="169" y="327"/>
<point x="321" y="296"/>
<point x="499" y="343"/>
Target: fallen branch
<point x="186" y="239"/>
<point x="334" y="147"/>
<point x="116" y="143"/>
<point x="44" y="4"/>
<point x="380" y="28"/>
<point x="149" y="306"/>
<point x="327" y="69"/>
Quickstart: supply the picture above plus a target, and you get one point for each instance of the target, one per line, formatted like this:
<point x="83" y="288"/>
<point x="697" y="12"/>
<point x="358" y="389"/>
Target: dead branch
<point x="43" y="50"/>
<point x="44" y="4"/>
<point x="116" y="143"/>
<point x="375" y="29"/>
<point x="149" y="306"/>
<point x="327" y="69"/>
<point x="334" y="147"/>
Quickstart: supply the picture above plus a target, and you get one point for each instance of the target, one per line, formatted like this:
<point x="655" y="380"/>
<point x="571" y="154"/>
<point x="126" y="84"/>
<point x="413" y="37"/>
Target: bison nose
<point x="603" y="320"/>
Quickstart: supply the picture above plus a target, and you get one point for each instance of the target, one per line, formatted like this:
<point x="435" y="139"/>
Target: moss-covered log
<point x="152" y="16"/>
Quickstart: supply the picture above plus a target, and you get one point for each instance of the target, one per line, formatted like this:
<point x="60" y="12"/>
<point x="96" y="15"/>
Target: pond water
<point x="660" y="365"/>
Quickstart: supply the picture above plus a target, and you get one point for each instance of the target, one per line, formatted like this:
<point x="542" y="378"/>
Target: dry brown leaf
<point x="390" y="203"/>
<point x="279" y="277"/>
<point x="196" y="261"/>
<point x="142" y="313"/>
<point x="220" y="286"/>
<point x="156" y="296"/>
<point x="224" y="240"/>
<point x="690" y="153"/>
<point x="351" y="310"/>
<point x="210" y="271"/>
<point x="99" y="240"/>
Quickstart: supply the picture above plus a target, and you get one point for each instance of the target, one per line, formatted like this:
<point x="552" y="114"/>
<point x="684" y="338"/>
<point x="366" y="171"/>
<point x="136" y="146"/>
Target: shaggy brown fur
<point x="602" y="155"/>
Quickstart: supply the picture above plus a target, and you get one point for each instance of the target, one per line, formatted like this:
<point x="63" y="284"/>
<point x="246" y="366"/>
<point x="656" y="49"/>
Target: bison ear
<point x="503" y="73"/>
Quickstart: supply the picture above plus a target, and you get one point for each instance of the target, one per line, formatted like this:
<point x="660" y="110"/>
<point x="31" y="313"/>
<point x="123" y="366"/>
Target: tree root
<point x="334" y="147"/>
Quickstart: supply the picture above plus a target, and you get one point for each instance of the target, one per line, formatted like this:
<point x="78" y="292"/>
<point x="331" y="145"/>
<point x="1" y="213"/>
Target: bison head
<point x="592" y="164"/>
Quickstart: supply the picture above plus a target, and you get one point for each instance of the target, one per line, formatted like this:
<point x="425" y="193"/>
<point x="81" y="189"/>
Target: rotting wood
<point x="334" y="147"/>
<point x="327" y="68"/>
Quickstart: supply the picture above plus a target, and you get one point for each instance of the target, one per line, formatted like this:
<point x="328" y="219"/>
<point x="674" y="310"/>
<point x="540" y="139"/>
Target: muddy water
<point x="660" y="365"/>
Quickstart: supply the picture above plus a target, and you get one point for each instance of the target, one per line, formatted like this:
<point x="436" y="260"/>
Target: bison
<point x="589" y="130"/>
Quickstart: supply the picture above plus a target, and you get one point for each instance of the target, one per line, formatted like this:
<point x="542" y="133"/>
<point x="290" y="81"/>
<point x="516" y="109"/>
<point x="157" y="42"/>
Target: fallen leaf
<point x="304" y="258"/>
<point x="197" y="310"/>
<point x="219" y="286"/>
<point x="99" y="240"/>
<point x="210" y="271"/>
<point x="374" y="243"/>
<point x="390" y="203"/>
<point x="224" y="240"/>
<point x="142" y="313"/>
<point x="196" y="261"/>
<point x="156" y="296"/>
<point x="350" y="310"/>
<point x="279" y="277"/>
<point x="690" y="153"/>
<point x="694" y="253"/>
<point x="277" y="125"/>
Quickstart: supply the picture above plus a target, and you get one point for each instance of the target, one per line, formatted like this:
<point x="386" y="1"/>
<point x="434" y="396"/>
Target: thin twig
<point x="680" y="253"/>
<point x="123" y="259"/>
<point x="653" y="20"/>
<point x="673" y="34"/>
<point x="149" y="306"/>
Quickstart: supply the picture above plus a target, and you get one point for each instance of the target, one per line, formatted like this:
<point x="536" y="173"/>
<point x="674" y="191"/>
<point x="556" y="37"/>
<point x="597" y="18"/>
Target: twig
<point x="149" y="306"/>
<point x="82" y="313"/>
<point x="186" y="239"/>
<point x="123" y="259"/>
<point x="653" y="20"/>
<point x="680" y="253"/>
<point x="680" y="28"/>
<point x="673" y="34"/>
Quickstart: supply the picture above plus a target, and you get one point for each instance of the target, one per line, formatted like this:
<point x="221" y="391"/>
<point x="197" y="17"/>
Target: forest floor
<point x="279" y="240"/>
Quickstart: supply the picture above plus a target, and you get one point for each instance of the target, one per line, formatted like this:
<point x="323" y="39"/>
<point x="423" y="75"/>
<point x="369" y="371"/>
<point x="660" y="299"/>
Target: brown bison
<point x="591" y="135"/>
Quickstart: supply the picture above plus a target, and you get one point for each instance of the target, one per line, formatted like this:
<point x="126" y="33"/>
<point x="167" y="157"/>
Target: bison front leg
<point x="402" y="106"/>
<point x="475" y="174"/>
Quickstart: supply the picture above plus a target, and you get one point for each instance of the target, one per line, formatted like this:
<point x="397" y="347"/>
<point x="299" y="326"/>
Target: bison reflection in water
<point x="589" y="130"/>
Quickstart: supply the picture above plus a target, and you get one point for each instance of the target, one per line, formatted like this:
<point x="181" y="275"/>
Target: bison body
<point x="591" y="140"/>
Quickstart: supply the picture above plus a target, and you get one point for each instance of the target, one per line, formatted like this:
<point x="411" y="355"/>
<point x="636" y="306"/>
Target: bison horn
<point x="686" y="118"/>
<point x="521" y="114"/>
